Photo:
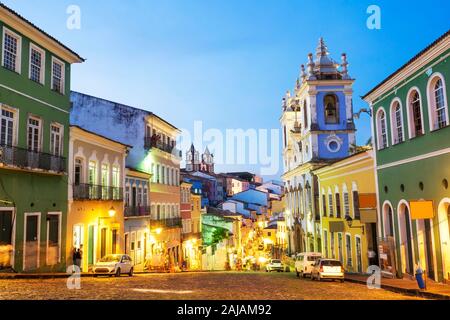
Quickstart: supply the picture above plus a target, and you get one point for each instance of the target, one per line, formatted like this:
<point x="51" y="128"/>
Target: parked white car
<point x="328" y="269"/>
<point x="275" y="265"/>
<point x="305" y="262"/>
<point x="114" y="265"/>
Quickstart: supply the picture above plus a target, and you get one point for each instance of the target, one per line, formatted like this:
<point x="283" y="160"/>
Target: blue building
<point x="318" y="128"/>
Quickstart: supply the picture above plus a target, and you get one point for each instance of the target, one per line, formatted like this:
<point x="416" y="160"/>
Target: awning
<point x="337" y="226"/>
<point x="368" y="216"/>
<point x="421" y="210"/>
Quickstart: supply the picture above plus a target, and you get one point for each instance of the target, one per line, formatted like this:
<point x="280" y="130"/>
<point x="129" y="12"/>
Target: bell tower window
<point x="331" y="109"/>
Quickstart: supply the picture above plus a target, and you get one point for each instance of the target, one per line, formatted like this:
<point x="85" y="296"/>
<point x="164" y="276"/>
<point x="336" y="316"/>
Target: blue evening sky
<point x="228" y="63"/>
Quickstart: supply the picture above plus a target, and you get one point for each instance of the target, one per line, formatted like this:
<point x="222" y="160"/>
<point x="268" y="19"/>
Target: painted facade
<point x="318" y="127"/>
<point x="34" y="143"/>
<point x="95" y="222"/>
<point x="154" y="152"/>
<point x="348" y="194"/>
<point x="411" y="133"/>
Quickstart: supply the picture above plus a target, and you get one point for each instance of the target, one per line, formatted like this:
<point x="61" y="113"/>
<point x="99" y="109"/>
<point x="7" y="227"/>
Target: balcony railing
<point x="151" y="143"/>
<point x="27" y="159"/>
<point x="96" y="192"/>
<point x="139" y="211"/>
<point x="166" y="223"/>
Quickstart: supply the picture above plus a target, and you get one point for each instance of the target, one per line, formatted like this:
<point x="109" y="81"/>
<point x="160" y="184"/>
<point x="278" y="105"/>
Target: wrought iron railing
<point x="139" y="211"/>
<point x="96" y="192"/>
<point x="27" y="159"/>
<point x="165" y="223"/>
<point x="152" y="143"/>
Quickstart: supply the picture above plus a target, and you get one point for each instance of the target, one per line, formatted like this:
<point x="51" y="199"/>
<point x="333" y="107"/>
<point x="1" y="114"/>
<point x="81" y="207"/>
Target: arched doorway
<point x="406" y="246"/>
<point x="444" y="234"/>
<point x="388" y="216"/>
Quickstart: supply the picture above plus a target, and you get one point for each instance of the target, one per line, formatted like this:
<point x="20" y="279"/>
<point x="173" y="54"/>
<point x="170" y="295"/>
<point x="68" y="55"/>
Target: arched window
<point x="437" y="102"/>
<point x="381" y="130"/>
<point x="415" y="117"/>
<point x="397" y="122"/>
<point x="331" y="109"/>
<point x="305" y="114"/>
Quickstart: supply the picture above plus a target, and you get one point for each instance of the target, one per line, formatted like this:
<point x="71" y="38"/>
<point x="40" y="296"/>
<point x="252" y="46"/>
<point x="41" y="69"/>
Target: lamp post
<point x="349" y="221"/>
<point x="357" y="115"/>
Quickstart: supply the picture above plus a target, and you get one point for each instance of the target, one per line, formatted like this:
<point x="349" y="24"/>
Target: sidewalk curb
<point x="409" y="292"/>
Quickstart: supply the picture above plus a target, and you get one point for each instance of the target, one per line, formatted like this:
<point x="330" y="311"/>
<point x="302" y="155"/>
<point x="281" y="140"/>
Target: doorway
<point x="406" y="247"/>
<point x="6" y="232"/>
<point x="444" y="232"/>
<point x="31" y="245"/>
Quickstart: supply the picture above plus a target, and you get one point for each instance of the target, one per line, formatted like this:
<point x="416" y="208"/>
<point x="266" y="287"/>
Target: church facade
<point x="318" y="129"/>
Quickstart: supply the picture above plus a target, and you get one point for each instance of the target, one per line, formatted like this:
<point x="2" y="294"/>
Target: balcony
<point x="95" y="192"/>
<point x="154" y="143"/>
<point x="190" y="236"/>
<point x="31" y="160"/>
<point x="166" y="223"/>
<point x="137" y="211"/>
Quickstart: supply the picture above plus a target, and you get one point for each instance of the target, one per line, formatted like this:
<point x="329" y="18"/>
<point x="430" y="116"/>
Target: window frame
<point x="36" y="118"/>
<point x="379" y="126"/>
<point x="61" y="139"/>
<point x="395" y="128"/>
<point x="63" y="76"/>
<point x="18" y="66"/>
<point x="431" y="98"/>
<point x="410" y="113"/>
<point x="15" y="122"/>
<point x="42" y="67"/>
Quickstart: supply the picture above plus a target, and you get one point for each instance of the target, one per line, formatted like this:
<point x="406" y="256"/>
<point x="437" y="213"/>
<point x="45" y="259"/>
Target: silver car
<point x="114" y="265"/>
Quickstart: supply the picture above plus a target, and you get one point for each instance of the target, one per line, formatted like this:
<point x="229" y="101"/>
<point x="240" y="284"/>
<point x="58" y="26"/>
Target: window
<point x="57" y="76"/>
<point x="397" y="122"/>
<point x="12" y="44"/>
<point x="346" y="204"/>
<point x="382" y="130"/>
<point x="324" y="205"/>
<point x="348" y="244"/>
<point x="356" y="210"/>
<point x="34" y="134"/>
<point x="338" y="205"/>
<point x="56" y="140"/>
<point x="116" y="182"/>
<point x="7" y="127"/>
<point x="145" y="197"/>
<point x="440" y="105"/>
<point x="163" y="175"/>
<point x="127" y="196"/>
<point x="78" y="172"/>
<point x="331" y="109"/>
<point x="153" y="173"/>
<point x="415" y="114"/>
<point x="330" y="204"/>
<point x="305" y="114"/>
<point x="437" y="101"/>
<point x="105" y="181"/>
<point x="158" y="173"/>
<point x="92" y="173"/>
<point x="139" y="197"/>
<point x="37" y="64"/>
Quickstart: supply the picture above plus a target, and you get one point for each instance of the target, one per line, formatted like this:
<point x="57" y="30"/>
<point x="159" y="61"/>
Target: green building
<point x="34" y="143"/>
<point x="411" y="130"/>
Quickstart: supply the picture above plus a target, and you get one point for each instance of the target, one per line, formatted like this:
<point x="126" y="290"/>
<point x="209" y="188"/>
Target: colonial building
<point x="139" y="244"/>
<point x="154" y="152"/>
<point x="95" y="222"/>
<point x="318" y="127"/>
<point x="348" y="211"/>
<point x="411" y="130"/>
<point x="34" y="144"/>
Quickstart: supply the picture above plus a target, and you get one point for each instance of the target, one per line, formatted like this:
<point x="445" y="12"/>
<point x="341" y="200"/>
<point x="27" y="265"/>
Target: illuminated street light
<point x="112" y="212"/>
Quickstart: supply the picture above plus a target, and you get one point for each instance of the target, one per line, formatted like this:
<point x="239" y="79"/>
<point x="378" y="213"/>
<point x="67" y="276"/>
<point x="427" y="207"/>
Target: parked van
<point x="304" y="263"/>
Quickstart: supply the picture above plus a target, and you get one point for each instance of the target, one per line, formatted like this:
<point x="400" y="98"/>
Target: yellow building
<point x="95" y="224"/>
<point x="348" y="211"/>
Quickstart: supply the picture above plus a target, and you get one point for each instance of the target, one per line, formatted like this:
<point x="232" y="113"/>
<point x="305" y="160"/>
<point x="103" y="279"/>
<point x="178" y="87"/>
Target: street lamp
<point x="349" y="221"/>
<point x="357" y="115"/>
<point x="112" y="212"/>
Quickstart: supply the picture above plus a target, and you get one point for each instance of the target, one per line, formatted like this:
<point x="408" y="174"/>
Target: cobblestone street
<point x="193" y="286"/>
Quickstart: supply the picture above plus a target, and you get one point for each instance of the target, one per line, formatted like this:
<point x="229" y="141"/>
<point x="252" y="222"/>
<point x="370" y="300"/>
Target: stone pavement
<point x="406" y="286"/>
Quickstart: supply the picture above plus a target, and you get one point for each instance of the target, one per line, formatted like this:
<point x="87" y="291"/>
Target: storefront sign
<point x="421" y="210"/>
<point x="386" y="252"/>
